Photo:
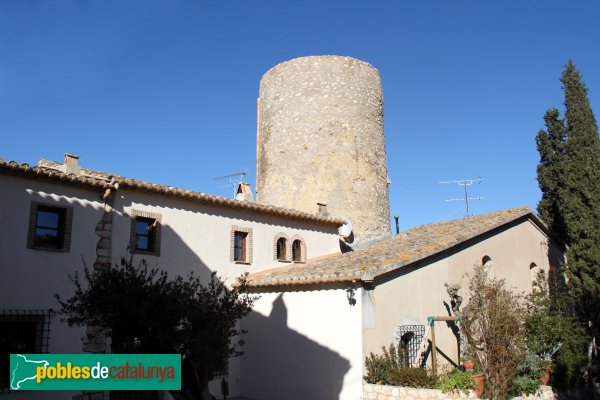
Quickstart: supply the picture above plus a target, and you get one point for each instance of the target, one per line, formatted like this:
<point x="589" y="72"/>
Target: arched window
<point x="298" y="249"/>
<point x="486" y="261"/>
<point x="534" y="271"/>
<point x="281" y="249"/>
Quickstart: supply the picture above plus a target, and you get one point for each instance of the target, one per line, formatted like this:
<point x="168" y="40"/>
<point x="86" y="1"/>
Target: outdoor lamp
<point x="350" y="295"/>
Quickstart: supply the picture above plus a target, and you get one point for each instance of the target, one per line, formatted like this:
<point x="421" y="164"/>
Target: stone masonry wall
<point x="385" y="392"/>
<point x="321" y="140"/>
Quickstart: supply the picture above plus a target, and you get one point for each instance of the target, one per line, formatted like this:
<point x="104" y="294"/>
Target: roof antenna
<point x="234" y="180"/>
<point x="465" y="183"/>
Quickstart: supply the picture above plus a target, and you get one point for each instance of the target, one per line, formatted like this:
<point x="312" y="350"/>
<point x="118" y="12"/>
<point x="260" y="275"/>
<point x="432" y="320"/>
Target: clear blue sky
<point x="165" y="91"/>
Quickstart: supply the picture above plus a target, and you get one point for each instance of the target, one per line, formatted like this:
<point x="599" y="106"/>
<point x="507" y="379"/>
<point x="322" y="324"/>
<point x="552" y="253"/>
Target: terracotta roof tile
<point x="403" y="249"/>
<point x="49" y="170"/>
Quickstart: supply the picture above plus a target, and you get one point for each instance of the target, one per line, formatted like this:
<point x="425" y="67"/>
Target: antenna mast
<point x="233" y="179"/>
<point x="465" y="183"/>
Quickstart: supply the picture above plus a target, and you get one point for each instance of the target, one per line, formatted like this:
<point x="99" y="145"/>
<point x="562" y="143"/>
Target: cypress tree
<point x="569" y="177"/>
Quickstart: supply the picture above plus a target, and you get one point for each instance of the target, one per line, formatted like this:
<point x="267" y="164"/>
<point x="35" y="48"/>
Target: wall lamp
<point x="350" y="295"/>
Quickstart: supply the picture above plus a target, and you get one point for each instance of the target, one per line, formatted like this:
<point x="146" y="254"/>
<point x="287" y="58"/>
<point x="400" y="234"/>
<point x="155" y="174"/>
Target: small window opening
<point x="49" y="227"/>
<point x="281" y="249"/>
<point x="239" y="246"/>
<point x="145" y="231"/>
<point x="297" y="250"/>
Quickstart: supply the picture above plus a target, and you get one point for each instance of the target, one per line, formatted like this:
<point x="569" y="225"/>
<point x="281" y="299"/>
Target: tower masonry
<point x="320" y="139"/>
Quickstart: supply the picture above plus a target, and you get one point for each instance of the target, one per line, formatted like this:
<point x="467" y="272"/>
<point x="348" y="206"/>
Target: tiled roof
<point x="50" y="171"/>
<point x="403" y="249"/>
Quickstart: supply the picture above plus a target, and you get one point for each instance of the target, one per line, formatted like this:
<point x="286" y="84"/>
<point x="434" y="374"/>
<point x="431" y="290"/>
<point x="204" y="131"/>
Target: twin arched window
<point x="289" y="250"/>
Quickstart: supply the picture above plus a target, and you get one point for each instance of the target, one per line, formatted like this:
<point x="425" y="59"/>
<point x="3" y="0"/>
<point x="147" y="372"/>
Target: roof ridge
<point x="115" y="182"/>
<point x="406" y="248"/>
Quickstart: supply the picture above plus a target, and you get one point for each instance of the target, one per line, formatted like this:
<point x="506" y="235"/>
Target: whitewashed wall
<point x="196" y="237"/>
<point x="303" y="345"/>
<point x="30" y="278"/>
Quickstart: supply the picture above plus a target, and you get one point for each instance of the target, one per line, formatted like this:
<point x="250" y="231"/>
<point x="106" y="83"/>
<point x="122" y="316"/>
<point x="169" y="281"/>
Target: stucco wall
<point x="196" y="237"/>
<point x="303" y="345"/>
<point x="30" y="278"/>
<point x="416" y="292"/>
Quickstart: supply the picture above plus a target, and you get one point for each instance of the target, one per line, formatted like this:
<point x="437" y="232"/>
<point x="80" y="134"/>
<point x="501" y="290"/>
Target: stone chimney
<point x="71" y="165"/>
<point x="323" y="210"/>
<point x="244" y="193"/>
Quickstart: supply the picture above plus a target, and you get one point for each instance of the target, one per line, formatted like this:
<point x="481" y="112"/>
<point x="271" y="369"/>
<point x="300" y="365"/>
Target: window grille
<point x="408" y="338"/>
<point x="22" y="331"/>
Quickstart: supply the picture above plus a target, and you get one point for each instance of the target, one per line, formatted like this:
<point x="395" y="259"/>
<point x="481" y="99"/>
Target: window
<point x="281" y="249"/>
<point x="145" y="233"/>
<point x="22" y="332"/>
<point x="298" y="249"/>
<point x="534" y="271"/>
<point x="408" y="339"/>
<point x="49" y="227"/>
<point x="241" y="245"/>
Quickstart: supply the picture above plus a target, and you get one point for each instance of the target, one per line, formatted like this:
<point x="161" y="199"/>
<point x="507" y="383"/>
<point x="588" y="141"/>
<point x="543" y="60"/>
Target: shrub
<point x="553" y="333"/>
<point x="527" y="382"/>
<point x="388" y="369"/>
<point x="457" y="380"/>
<point x="495" y="329"/>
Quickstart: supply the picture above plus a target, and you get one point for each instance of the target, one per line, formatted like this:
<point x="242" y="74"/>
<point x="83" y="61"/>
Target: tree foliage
<point x="569" y="177"/>
<point x="554" y="335"/>
<point x="146" y="312"/>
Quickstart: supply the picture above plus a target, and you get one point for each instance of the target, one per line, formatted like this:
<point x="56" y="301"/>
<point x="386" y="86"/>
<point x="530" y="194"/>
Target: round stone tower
<point x="320" y="140"/>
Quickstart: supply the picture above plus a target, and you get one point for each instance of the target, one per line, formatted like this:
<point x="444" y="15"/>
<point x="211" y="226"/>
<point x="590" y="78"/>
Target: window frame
<point x="64" y="228"/>
<point x="303" y="254"/>
<point x="247" y="245"/>
<point x="154" y="237"/>
<point x="287" y="252"/>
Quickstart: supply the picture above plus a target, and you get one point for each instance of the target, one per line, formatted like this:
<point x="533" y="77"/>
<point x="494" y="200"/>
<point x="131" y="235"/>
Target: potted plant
<point x="467" y="362"/>
<point x="479" y="378"/>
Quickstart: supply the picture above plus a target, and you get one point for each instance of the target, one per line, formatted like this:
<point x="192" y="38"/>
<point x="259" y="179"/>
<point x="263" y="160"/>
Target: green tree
<point x="146" y="312"/>
<point x="569" y="177"/>
<point x="554" y="335"/>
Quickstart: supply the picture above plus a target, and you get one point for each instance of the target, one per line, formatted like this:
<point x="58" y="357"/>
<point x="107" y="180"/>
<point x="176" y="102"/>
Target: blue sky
<point x="165" y="91"/>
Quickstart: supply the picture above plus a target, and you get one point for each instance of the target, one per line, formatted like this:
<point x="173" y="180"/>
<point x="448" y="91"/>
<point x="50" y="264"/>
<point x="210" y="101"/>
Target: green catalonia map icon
<point x="23" y="369"/>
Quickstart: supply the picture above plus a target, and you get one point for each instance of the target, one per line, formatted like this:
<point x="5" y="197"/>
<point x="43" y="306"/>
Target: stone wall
<point x="385" y="392"/>
<point x="321" y="140"/>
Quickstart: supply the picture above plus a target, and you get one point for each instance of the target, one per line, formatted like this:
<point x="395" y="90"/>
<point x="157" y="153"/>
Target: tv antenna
<point x="465" y="183"/>
<point x="234" y="180"/>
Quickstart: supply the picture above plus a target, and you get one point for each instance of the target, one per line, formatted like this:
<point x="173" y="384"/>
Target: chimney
<point x="71" y="165"/>
<point x="323" y="210"/>
<point x="244" y="193"/>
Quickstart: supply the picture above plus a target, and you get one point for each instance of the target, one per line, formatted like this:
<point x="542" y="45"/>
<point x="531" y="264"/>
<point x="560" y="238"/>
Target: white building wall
<point x="29" y="278"/>
<point x="303" y="344"/>
<point x="196" y="237"/>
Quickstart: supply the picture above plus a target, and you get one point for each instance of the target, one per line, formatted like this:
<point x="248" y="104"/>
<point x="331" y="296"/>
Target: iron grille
<point x="22" y="331"/>
<point x="408" y="338"/>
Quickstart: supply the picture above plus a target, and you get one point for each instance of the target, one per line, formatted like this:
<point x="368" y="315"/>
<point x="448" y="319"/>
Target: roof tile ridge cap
<point x="520" y="212"/>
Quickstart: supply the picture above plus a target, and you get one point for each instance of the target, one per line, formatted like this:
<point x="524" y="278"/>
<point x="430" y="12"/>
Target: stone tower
<point x="320" y="140"/>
